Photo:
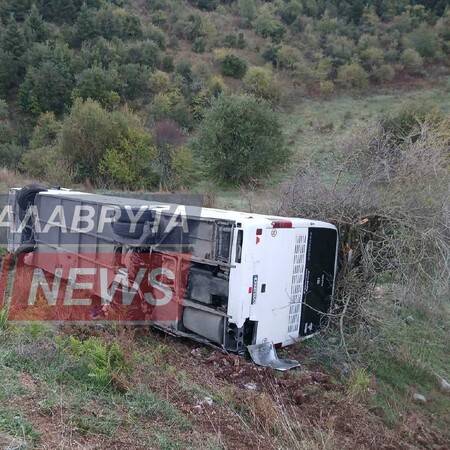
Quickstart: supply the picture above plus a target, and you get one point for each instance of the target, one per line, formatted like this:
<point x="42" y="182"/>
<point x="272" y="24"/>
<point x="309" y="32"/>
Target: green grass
<point x="311" y="129"/>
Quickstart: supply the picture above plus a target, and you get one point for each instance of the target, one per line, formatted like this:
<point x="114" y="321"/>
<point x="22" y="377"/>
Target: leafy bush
<point x="352" y="75"/>
<point x="199" y="45"/>
<point x="261" y="83"/>
<point x="107" y="148"/>
<point x="105" y="362"/>
<point x="383" y="73"/>
<point x="130" y="163"/>
<point x="98" y="84"/>
<point x="267" y="25"/>
<point x="411" y="60"/>
<point x="240" y="139"/>
<point x="46" y="88"/>
<point x="133" y="79"/>
<point x="233" y="66"/>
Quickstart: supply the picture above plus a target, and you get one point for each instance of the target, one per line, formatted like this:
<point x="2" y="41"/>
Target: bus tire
<point x="27" y="194"/>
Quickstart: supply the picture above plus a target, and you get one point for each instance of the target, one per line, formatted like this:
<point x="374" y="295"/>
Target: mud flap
<point x="265" y="355"/>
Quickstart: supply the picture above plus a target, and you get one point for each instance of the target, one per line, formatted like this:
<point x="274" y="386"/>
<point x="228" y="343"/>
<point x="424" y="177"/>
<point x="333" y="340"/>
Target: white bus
<point x="237" y="279"/>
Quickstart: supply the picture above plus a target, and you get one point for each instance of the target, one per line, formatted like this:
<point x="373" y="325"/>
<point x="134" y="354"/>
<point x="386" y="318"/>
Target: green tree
<point x="97" y="84"/>
<point x="247" y="11"/>
<point x="130" y="163"/>
<point x="13" y="40"/>
<point x="35" y="27"/>
<point x="261" y="83"/>
<point x="133" y="79"/>
<point x="46" y="88"/>
<point x="352" y="75"/>
<point x="267" y="25"/>
<point x="85" y="25"/>
<point x="86" y="134"/>
<point x="233" y="66"/>
<point x="241" y="139"/>
<point x="411" y="60"/>
<point x="8" y="72"/>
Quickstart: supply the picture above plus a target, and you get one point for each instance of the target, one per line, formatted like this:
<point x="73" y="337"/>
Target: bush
<point x="411" y="60"/>
<point x="87" y="132"/>
<point x="199" y="45"/>
<point x="46" y="88"/>
<point x="261" y="83"/>
<point x="241" y="139"/>
<point x="167" y="64"/>
<point x="233" y="66"/>
<point x="267" y="25"/>
<point x="383" y="73"/>
<point x="133" y="79"/>
<point x="97" y="84"/>
<point x="352" y="75"/>
<point x="130" y="163"/>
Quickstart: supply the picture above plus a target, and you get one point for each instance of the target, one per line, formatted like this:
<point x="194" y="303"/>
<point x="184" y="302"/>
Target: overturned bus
<point x="227" y="278"/>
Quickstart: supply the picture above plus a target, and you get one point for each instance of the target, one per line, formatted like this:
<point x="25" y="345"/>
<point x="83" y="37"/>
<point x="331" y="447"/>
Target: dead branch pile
<point x="389" y="198"/>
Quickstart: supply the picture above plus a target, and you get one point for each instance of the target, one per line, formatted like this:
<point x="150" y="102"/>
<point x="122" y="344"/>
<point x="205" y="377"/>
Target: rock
<point x="444" y="385"/>
<point x="345" y="369"/>
<point x="251" y="386"/>
<point x="207" y="401"/>
<point x="409" y="319"/>
<point x="196" y="352"/>
<point x="419" y="398"/>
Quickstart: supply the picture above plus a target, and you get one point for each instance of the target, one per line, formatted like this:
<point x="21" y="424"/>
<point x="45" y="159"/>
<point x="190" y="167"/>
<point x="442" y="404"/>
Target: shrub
<point x="133" y="79"/>
<point x="46" y="88"/>
<point x="240" y="139"/>
<point x="247" y="11"/>
<point x="261" y="83"/>
<point x="352" y="75"/>
<point x="145" y="53"/>
<point x="233" y="66"/>
<point x="167" y="64"/>
<point x="372" y="56"/>
<point x="326" y="87"/>
<point x="411" y="60"/>
<point x="86" y="134"/>
<point x="288" y="57"/>
<point x="241" y="42"/>
<point x="97" y="84"/>
<point x="130" y="163"/>
<point x="267" y="25"/>
<point x="383" y="73"/>
<point x="425" y="41"/>
<point x="199" y="45"/>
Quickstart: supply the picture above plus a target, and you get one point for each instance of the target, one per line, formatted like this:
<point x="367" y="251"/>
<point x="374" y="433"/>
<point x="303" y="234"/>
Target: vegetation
<point x="155" y="62"/>
<point x="289" y="107"/>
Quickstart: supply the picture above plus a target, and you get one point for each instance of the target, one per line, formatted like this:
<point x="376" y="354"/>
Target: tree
<point x="13" y="40"/>
<point x="352" y="75"/>
<point x="411" y="59"/>
<point x="130" y="163"/>
<point x="133" y="79"/>
<point x="97" y="84"/>
<point x="8" y="72"/>
<point x="267" y="25"/>
<point x="233" y="66"/>
<point x="247" y="11"/>
<point x="241" y="139"/>
<point x="46" y="88"/>
<point x="35" y="27"/>
<point x="86" y="134"/>
<point x="261" y="83"/>
<point x="85" y="25"/>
